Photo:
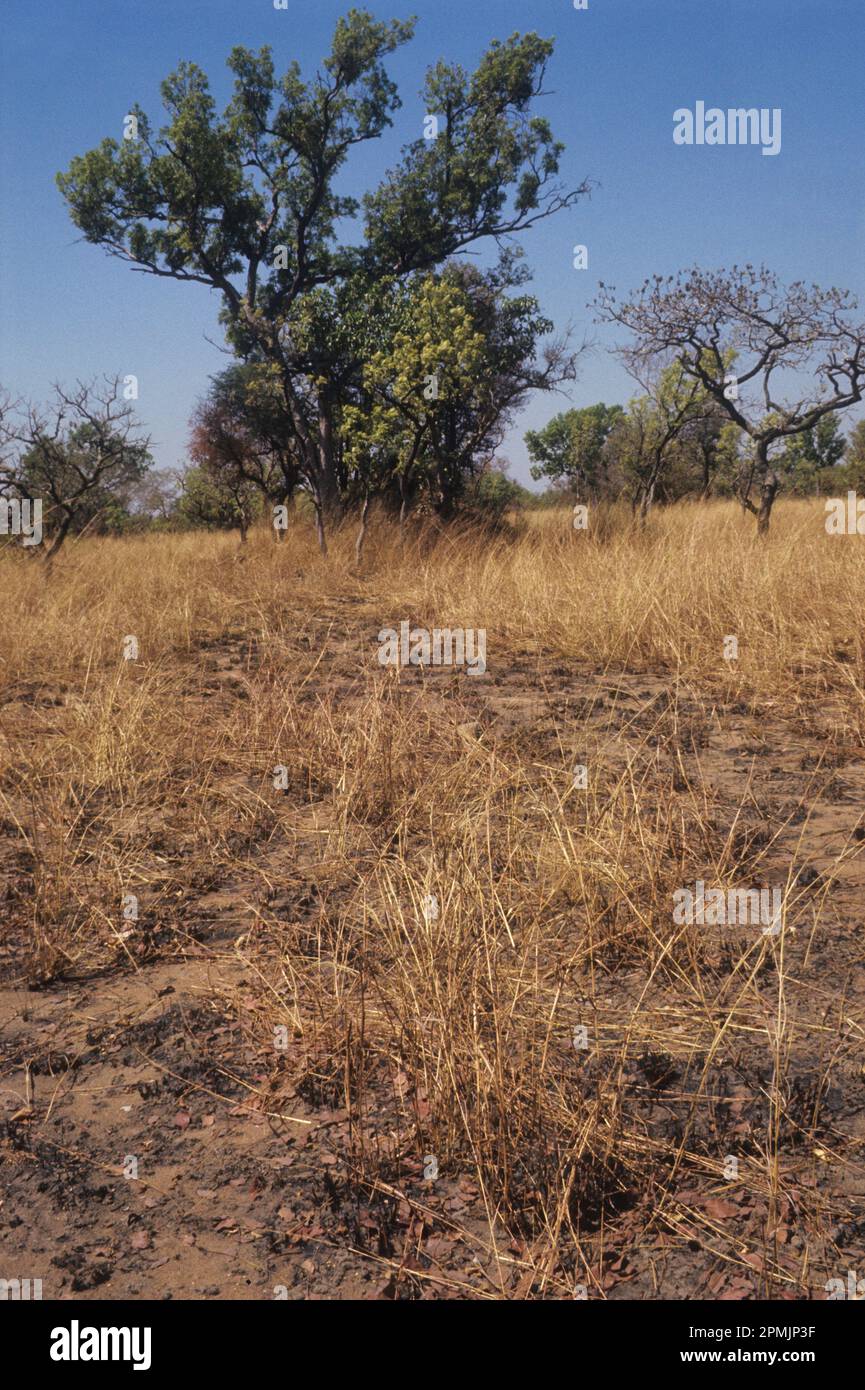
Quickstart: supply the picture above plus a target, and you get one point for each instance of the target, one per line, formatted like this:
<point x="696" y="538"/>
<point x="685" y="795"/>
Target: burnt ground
<point x="252" y="1179"/>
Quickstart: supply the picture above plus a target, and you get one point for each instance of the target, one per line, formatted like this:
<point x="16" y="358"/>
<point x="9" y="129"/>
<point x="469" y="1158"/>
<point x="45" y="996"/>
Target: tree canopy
<point x="247" y="203"/>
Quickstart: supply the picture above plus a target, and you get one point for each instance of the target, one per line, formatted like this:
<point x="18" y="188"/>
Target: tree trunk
<point x="767" y="497"/>
<point x="328" y="486"/>
<point x="403" y="502"/>
<point x="62" y="532"/>
<point x="770" y="482"/>
<point x="361" y="535"/>
<point x="319" y="527"/>
<point x="707" y="478"/>
<point x="317" y="453"/>
<point x="646" y="500"/>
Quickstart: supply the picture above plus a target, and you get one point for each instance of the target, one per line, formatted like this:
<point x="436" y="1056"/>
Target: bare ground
<point x="264" y="1174"/>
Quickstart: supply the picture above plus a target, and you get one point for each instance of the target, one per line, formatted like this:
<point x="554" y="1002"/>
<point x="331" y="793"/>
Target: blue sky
<point x="70" y="71"/>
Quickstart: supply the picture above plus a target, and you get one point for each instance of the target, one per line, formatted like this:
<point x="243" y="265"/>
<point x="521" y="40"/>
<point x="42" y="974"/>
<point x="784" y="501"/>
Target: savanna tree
<point x="247" y="203"/>
<point x="810" y="457"/>
<point x="799" y="355"/>
<point x="83" y="455"/>
<point x="217" y="500"/>
<point x="462" y="355"/>
<point x="569" y="450"/>
<point x="854" y="457"/>
<point x="706" y="451"/>
<point x="237" y="437"/>
<point x="656" y="425"/>
<point x="493" y="492"/>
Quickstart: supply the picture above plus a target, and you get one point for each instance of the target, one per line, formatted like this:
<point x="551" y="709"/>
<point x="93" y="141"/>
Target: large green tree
<point x="461" y="356"/>
<point x="570" y="448"/>
<point x="247" y="202"/>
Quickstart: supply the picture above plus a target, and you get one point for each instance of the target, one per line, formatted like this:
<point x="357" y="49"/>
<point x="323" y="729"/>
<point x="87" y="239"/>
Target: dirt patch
<point x="160" y="1140"/>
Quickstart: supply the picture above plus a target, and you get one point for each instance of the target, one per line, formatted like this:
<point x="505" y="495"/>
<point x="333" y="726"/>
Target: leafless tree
<point x="74" y="453"/>
<point x="797" y="338"/>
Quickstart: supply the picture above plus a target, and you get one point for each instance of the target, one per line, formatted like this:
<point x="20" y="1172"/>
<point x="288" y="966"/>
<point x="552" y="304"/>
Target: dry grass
<point x="659" y="600"/>
<point x="453" y="1034"/>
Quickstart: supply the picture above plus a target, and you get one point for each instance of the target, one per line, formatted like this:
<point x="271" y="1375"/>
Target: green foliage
<point x="651" y="443"/>
<point x="457" y="357"/>
<point x="808" y="455"/>
<point x="854" y="467"/>
<point x="492" y="493"/>
<point x="570" y="447"/>
<point x="435" y="352"/>
<point x="246" y="203"/>
<point x="206" y="501"/>
<point x="447" y="192"/>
